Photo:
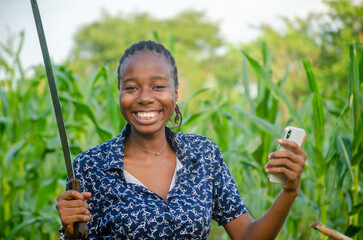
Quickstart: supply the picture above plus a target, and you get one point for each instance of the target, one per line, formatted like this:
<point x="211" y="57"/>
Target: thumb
<point x="86" y="195"/>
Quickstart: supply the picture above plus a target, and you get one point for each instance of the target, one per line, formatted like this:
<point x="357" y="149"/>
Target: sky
<point x="62" y="18"/>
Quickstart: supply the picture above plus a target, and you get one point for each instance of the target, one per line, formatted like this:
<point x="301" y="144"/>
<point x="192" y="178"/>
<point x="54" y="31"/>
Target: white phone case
<point x="293" y="134"/>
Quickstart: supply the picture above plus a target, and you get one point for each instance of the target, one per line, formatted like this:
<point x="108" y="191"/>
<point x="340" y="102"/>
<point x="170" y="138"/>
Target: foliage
<point x="30" y="152"/>
<point x="332" y="180"/>
<point x="31" y="166"/>
<point x="192" y="38"/>
<point x="245" y="125"/>
<point x="320" y="38"/>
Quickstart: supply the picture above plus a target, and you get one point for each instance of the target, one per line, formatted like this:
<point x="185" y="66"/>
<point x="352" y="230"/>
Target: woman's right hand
<point x="72" y="208"/>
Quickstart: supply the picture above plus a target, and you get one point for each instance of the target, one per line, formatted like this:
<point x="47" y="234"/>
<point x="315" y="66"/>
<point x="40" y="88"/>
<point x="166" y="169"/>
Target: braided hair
<point x="157" y="48"/>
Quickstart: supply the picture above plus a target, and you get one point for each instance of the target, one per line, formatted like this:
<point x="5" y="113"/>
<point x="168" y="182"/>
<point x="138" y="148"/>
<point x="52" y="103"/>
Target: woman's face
<point x="147" y="92"/>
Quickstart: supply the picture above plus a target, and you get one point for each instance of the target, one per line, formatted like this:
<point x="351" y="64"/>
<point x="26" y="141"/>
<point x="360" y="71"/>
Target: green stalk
<point x="317" y="106"/>
<point x="276" y="92"/>
<point x="353" y="79"/>
<point x="354" y="98"/>
<point x="246" y="84"/>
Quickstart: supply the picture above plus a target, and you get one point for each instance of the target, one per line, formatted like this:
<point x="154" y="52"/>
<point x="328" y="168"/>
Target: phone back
<point x="293" y="134"/>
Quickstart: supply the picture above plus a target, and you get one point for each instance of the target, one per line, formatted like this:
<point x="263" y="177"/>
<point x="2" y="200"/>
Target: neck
<point x="152" y="142"/>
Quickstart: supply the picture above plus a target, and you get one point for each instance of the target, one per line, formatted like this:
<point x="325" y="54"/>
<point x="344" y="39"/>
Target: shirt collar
<point x="115" y="156"/>
<point x="181" y="145"/>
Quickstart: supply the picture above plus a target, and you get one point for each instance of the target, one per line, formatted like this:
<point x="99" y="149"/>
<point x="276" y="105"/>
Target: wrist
<point x="291" y="192"/>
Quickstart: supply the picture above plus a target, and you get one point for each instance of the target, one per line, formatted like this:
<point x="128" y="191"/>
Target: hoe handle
<point x="80" y="228"/>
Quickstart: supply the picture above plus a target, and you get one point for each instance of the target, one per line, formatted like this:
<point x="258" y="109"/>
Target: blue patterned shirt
<point x="204" y="190"/>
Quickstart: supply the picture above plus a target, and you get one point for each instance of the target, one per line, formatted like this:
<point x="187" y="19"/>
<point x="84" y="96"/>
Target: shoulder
<point x="198" y="147"/>
<point x="197" y="142"/>
<point x="196" y="139"/>
<point x="96" y="155"/>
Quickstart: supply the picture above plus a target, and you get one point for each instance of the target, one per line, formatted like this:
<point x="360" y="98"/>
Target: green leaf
<point x="317" y="106"/>
<point x="353" y="80"/>
<point x="192" y="119"/>
<point x="246" y="84"/>
<point x="193" y="95"/>
<point x="261" y="123"/>
<point x="45" y="192"/>
<point x="5" y="120"/>
<point x="276" y="92"/>
<point x="22" y="225"/>
<point x="84" y="109"/>
<point x="156" y="36"/>
<point x="356" y="209"/>
<point x="17" y="54"/>
<point x="92" y="81"/>
<point x="11" y="153"/>
<point x="112" y="105"/>
<point x="171" y="43"/>
<point x="347" y="158"/>
<point x="352" y="230"/>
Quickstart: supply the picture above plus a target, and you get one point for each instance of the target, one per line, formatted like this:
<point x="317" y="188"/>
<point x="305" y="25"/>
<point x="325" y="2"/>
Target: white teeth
<point x="146" y="115"/>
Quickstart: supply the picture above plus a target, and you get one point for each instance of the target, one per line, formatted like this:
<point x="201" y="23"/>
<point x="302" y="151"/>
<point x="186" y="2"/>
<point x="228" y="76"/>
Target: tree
<point x="193" y="39"/>
<point x="322" y="39"/>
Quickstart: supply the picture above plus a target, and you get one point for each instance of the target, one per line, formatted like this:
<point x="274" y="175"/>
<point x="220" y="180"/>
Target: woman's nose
<point x="145" y="97"/>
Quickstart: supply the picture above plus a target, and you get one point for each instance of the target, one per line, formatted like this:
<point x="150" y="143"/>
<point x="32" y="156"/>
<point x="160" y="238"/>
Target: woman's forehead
<point x="147" y="60"/>
<point x="147" y="54"/>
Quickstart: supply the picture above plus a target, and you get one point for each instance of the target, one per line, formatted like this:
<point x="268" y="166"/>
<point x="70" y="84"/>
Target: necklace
<point x="156" y="153"/>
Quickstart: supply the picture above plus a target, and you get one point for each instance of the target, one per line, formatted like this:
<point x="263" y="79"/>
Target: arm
<point x="268" y="226"/>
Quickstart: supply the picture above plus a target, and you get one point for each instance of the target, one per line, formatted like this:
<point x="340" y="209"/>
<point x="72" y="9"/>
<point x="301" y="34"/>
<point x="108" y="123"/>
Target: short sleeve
<point x="227" y="202"/>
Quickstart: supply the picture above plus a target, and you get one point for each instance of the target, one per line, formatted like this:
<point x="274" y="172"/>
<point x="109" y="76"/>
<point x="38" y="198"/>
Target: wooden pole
<point x="331" y="233"/>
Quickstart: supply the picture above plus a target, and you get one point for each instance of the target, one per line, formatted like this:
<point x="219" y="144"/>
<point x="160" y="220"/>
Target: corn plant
<point x="246" y="127"/>
<point x="32" y="170"/>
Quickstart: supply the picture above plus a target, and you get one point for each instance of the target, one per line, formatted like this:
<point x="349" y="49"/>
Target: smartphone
<point x="294" y="134"/>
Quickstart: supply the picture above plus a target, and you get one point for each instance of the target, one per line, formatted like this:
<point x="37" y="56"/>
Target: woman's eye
<point x="130" y="88"/>
<point x="159" y="87"/>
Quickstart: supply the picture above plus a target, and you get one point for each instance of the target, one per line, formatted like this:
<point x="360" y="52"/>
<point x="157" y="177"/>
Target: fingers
<point x="294" y="146"/>
<point x="76" y="211"/>
<point x="297" y="155"/>
<point x="289" y="163"/>
<point x="72" y="204"/>
<point x="70" y="220"/>
<point x="72" y="208"/>
<point x="289" y="174"/>
<point x="72" y="199"/>
<point x="281" y="161"/>
<point x="72" y="194"/>
<point x="86" y="195"/>
<point x="291" y="171"/>
<point x="285" y="163"/>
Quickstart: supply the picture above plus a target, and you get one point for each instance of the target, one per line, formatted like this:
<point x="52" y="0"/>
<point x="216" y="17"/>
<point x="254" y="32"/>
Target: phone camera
<point x="288" y="134"/>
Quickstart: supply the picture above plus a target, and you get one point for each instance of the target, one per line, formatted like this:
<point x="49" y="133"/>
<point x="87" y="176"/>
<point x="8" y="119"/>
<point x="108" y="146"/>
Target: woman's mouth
<point x="147" y="115"/>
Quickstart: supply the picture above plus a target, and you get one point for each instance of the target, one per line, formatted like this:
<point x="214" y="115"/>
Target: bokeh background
<point x="247" y="70"/>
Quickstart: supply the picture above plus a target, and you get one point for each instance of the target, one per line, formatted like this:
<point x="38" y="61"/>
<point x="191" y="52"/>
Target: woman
<point x="152" y="183"/>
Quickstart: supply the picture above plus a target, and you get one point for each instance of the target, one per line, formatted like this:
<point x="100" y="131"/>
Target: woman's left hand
<point x="289" y="163"/>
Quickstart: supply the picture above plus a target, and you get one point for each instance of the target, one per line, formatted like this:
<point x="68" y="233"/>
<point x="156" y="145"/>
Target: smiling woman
<point x="152" y="183"/>
<point x="147" y="92"/>
<point x="163" y="70"/>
